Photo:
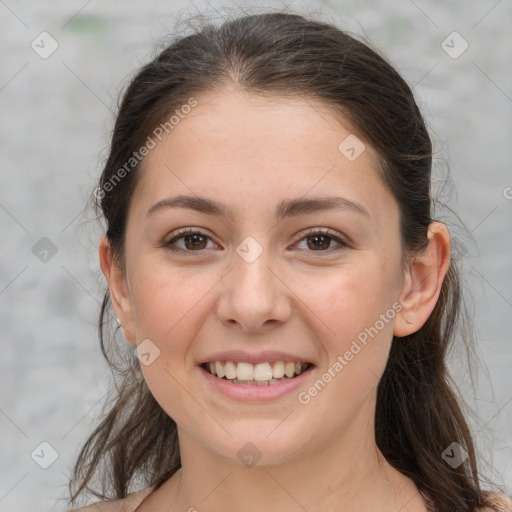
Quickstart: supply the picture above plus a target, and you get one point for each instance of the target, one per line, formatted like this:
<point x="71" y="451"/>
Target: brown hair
<point x="418" y="414"/>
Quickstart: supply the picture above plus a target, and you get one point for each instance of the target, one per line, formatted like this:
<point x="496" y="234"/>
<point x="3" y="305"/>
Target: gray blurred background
<point x="63" y="67"/>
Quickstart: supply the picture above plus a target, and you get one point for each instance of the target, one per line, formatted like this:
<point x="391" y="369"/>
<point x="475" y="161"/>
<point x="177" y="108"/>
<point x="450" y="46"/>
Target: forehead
<point x="253" y="149"/>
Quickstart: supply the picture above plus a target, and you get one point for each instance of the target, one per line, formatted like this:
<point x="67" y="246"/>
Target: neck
<point x="344" y="473"/>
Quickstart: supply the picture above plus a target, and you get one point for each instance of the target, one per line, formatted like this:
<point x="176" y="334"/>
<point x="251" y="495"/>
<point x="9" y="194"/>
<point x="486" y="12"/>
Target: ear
<point x="423" y="280"/>
<point x="118" y="288"/>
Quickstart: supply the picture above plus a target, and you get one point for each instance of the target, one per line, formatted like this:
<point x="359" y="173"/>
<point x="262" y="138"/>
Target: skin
<point x="251" y="153"/>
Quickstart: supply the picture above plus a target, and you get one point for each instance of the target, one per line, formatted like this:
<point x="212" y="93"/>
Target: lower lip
<point x="256" y="393"/>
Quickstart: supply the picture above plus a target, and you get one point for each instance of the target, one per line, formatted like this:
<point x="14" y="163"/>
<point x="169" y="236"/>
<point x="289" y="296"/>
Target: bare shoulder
<point x="103" y="506"/>
<point x="128" y="504"/>
<point x="496" y="502"/>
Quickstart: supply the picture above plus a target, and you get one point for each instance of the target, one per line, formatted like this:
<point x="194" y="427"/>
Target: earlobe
<point x="118" y="289"/>
<point x="423" y="281"/>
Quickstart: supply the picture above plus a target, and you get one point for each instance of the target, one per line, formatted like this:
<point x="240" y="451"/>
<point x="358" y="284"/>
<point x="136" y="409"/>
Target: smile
<point x="260" y="374"/>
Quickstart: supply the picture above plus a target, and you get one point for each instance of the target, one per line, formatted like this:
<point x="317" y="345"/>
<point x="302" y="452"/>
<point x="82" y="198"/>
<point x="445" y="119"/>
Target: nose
<point x="254" y="295"/>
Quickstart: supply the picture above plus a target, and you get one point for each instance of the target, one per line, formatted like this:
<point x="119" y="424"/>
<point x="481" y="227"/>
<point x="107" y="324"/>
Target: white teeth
<point x="278" y="370"/>
<point x="219" y="369"/>
<point x="230" y="370"/>
<point x="262" y="371"/>
<point x="289" y="369"/>
<point x="259" y="382"/>
<point x="259" y="374"/>
<point x="244" y="371"/>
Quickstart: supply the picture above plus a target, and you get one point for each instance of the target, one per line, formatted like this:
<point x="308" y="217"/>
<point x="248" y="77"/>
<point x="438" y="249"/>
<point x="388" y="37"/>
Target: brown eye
<point x="196" y="241"/>
<point x="320" y="241"/>
<point x="193" y="241"/>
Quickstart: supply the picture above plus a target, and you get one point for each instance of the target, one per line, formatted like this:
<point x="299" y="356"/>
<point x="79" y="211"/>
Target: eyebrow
<point x="286" y="208"/>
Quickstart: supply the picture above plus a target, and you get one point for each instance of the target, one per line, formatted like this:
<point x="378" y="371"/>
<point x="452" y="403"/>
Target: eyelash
<point x="314" y="231"/>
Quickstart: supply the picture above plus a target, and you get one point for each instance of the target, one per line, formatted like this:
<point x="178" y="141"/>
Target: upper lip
<point x="265" y="356"/>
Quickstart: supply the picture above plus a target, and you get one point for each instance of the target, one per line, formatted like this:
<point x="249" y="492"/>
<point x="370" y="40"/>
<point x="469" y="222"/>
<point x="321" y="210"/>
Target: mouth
<point x="260" y="374"/>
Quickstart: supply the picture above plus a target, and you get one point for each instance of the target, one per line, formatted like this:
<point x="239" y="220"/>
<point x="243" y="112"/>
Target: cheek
<point x="352" y="294"/>
<point x="349" y="304"/>
<point x="167" y="298"/>
<point x="355" y="309"/>
<point x="171" y="305"/>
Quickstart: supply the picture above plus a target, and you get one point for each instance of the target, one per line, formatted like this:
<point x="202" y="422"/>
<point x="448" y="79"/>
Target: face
<point x="316" y="285"/>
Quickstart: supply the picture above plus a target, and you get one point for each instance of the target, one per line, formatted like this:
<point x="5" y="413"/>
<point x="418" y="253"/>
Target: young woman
<point x="272" y="259"/>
